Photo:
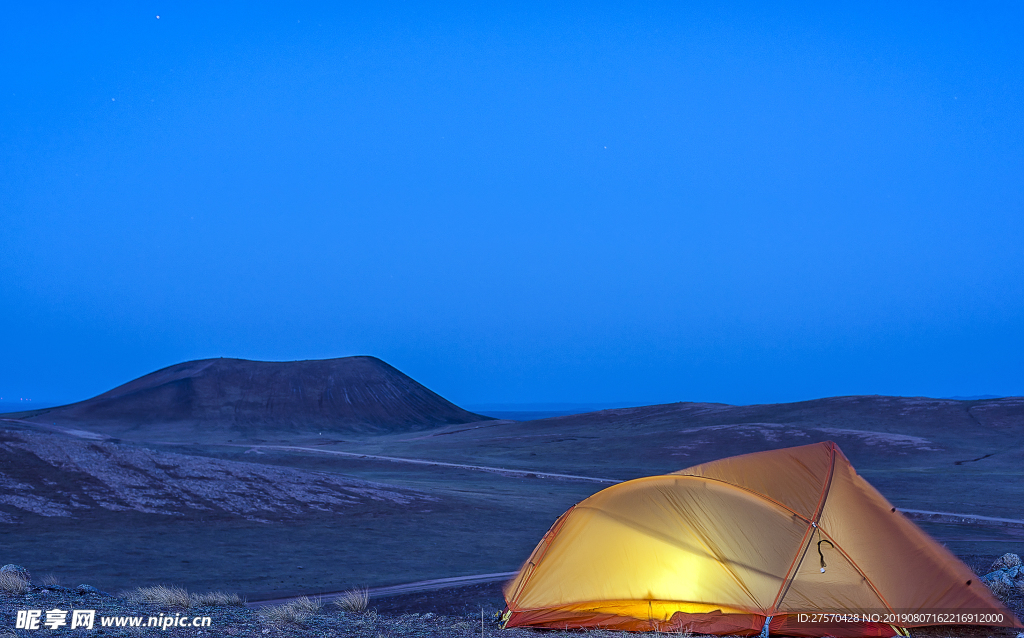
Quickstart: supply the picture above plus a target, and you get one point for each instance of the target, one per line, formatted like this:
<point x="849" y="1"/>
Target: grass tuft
<point x="296" y="612"/>
<point x="160" y="595"/>
<point x="51" y="581"/>
<point x="179" y="597"/>
<point x="217" y="599"/>
<point x="13" y="583"/>
<point x="354" y="600"/>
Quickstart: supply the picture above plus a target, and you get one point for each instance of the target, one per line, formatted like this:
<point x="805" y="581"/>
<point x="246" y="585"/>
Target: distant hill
<point x="878" y="433"/>
<point x="25" y="406"/>
<point x="255" y="400"/>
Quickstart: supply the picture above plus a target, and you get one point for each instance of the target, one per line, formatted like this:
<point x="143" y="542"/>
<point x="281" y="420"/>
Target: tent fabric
<point x="721" y="547"/>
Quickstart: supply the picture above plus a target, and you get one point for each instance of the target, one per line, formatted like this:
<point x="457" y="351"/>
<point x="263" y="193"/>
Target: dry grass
<point x="179" y="597"/>
<point x="160" y="595"/>
<point x="51" y="580"/>
<point x="354" y="600"/>
<point x="217" y="599"/>
<point x="12" y="583"/>
<point x="295" y="612"/>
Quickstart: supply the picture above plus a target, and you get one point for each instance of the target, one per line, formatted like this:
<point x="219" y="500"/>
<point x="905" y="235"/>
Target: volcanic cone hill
<point x="248" y="400"/>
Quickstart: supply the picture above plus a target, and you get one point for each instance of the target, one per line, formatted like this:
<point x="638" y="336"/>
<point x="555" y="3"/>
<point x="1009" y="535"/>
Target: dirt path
<point x="923" y="515"/>
<point x="477" y="468"/>
<point x="950" y="517"/>
<point x="84" y="434"/>
<point x="81" y="434"/>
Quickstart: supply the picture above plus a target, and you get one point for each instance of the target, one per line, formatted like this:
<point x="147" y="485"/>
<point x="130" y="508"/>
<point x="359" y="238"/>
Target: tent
<point x="789" y="541"/>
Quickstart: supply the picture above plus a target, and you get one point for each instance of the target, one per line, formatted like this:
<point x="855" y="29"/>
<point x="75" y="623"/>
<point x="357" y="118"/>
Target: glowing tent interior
<point x="767" y="540"/>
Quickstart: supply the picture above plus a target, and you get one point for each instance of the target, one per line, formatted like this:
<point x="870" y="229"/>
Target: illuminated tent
<point x="722" y="547"/>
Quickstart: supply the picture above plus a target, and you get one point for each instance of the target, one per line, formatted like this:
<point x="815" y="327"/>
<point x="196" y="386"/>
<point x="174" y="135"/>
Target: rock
<point x="17" y="569"/>
<point x="1006" y="561"/>
<point x="86" y="589"/>
<point x="1000" y="583"/>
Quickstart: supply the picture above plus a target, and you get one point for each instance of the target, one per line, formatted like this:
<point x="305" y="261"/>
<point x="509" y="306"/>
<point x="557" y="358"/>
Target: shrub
<point x="13" y="583"/>
<point x="18" y="570"/>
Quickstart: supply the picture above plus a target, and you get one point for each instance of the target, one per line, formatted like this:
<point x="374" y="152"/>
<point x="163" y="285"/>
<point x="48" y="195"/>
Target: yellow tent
<point x="789" y="541"/>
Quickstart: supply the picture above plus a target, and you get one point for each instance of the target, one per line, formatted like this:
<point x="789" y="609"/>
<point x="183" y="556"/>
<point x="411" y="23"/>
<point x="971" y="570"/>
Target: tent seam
<point x="798" y="559"/>
<point x="859" y="570"/>
<point x="725" y="564"/>
<point x="551" y="534"/>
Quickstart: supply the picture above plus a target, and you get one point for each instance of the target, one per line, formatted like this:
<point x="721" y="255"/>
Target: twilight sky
<point x="544" y="203"/>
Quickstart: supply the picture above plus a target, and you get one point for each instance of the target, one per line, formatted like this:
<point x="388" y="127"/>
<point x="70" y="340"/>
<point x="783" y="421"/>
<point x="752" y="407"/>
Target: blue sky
<point x="539" y="203"/>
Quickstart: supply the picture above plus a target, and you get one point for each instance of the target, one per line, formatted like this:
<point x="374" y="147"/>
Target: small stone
<point x="999" y="583"/>
<point x="20" y="571"/>
<point x="86" y="589"/>
<point x="1006" y="561"/>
